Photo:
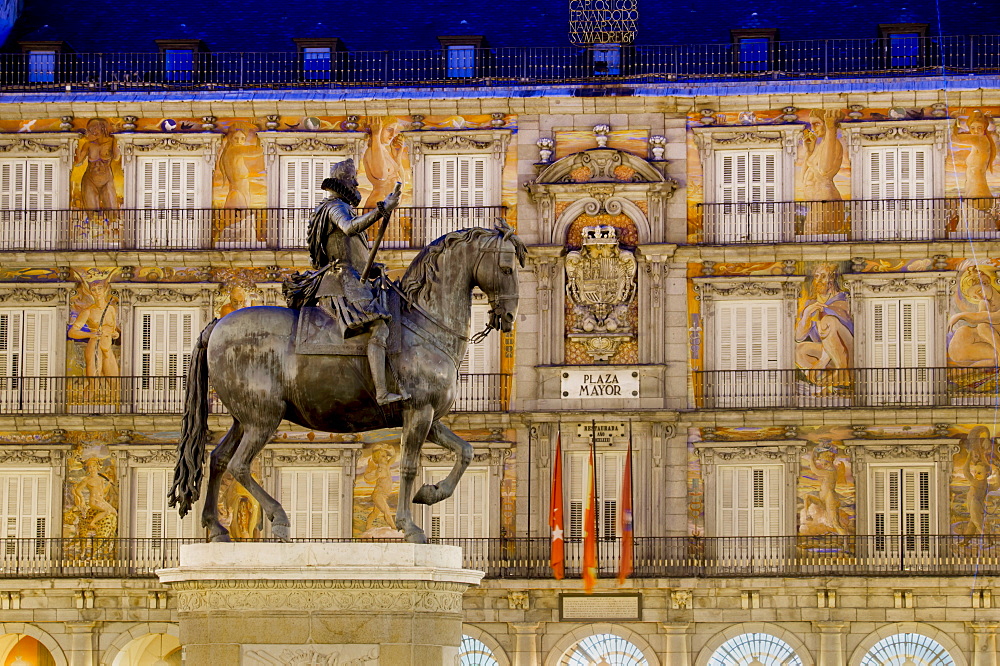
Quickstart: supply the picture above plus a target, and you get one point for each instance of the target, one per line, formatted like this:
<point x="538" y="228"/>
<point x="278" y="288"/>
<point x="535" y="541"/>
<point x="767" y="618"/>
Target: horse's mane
<point x="424" y="268"/>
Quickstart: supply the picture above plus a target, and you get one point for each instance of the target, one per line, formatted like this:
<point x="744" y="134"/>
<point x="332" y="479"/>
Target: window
<point x="152" y="518"/>
<point x="749" y="500"/>
<point x="41" y="66"/>
<point x="749" y="339"/>
<point x="610" y="468"/>
<point x="907" y="649"/>
<point x="474" y="652"/>
<point x="458" y="190"/>
<point x="312" y="499"/>
<point x="179" y="65"/>
<point x="164" y="340"/>
<point x="466" y="513"/>
<point x="461" y="61"/>
<point x="902" y="44"/>
<point x="300" y="189"/>
<point x="753" y="49"/>
<point x="316" y="63"/>
<point x="24" y="510"/>
<point x="898" y="345"/>
<point x="604" y="649"/>
<point x="754" y="648"/>
<point x="606" y="59"/>
<point x="170" y="188"/>
<point x="747" y="181"/>
<point x="897" y="179"/>
<point x="902" y="506"/>
<point x="27" y="357"/>
<point x="29" y="183"/>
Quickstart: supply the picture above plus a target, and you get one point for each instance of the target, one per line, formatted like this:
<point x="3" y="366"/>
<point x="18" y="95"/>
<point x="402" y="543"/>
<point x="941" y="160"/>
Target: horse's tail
<point x="194" y="429"/>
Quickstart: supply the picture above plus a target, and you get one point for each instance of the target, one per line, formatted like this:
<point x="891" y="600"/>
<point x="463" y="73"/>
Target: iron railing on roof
<point x="847" y="387"/>
<point x="654" y="557"/>
<point x="476" y="392"/>
<point x="801" y="59"/>
<point x="847" y="221"/>
<point x="215" y="229"/>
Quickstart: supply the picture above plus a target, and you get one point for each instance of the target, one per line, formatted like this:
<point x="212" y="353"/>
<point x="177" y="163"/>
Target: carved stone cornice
<point x="937" y="450"/>
<point x="206" y="144"/>
<point x="896" y="132"/>
<point x="747" y="286"/>
<point x="925" y="282"/>
<point x="600" y="165"/>
<point x="310" y="145"/>
<point x="26" y="456"/>
<point x="21" y="144"/>
<point x="46" y="293"/>
<point x="463" y="142"/>
<point x="309" y="456"/>
<point x="158" y="456"/>
<point x="493" y="456"/>
<point x="710" y="139"/>
<point x="774" y="453"/>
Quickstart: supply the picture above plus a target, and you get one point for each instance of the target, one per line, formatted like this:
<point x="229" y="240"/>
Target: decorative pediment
<point x="204" y="144"/>
<point x="928" y="283"/>
<point x="710" y="139"/>
<point x="599" y="165"/>
<point x="36" y="145"/>
<point x="461" y="142"/>
<point x="748" y="286"/>
<point x="348" y="144"/>
<point x="52" y="293"/>
<point x="773" y="452"/>
<point x="904" y="449"/>
<point x="896" y="132"/>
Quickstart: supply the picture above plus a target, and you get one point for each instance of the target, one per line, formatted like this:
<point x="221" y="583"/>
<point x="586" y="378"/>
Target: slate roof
<point x="96" y="26"/>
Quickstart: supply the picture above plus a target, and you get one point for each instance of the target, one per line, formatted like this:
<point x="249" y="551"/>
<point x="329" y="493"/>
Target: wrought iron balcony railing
<point x="801" y="59"/>
<point x="847" y="387"/>
<point x="851" y="220"/>
<point x="214" y="229"/>
<point x="165" y="395"/>
<point x="654" y="557"/>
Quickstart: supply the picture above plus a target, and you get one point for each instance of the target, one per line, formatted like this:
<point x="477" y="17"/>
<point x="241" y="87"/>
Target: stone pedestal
<point x="249" y="604"/>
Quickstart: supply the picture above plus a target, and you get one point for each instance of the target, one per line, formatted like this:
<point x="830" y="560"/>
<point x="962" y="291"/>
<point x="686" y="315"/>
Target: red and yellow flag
<point x="625" y="566"/>
<point x="557" y="555"/>
<point x="590" y="529"/>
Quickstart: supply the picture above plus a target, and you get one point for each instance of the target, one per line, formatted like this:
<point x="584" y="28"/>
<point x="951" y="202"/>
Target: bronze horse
<point x="249" y="358"/>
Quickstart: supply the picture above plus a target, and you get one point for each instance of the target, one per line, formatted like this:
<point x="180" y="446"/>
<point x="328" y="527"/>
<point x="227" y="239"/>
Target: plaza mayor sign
<point x="600" y="383"/>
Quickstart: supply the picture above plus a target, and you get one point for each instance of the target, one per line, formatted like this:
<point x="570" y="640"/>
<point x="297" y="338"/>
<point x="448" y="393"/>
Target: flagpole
<point x="593" y="459"/>
<point x="626" y="519"/>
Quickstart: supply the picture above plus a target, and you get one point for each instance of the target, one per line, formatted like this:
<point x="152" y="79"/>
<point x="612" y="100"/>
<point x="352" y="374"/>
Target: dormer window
<point x="180" y="60"/>
<point x="753" y="49"/>
<point x="460" y="54"/>
<point x="902" y="43"/>
<point x="42" y="57"/>
<point x="606" y="59"/>
<point x="318" y="57"/>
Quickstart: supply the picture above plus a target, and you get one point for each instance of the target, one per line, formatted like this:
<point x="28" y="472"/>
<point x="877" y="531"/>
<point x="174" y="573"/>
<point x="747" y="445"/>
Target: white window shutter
<point x="748" y="335"/>
<point x="750" y="500"/>
<point x="26" y="504"/>
<point x="40" y="184"/>
<point x="727" y="504"/>
<point x="900" y="332"/>
<point x="576" y="474"/>
<point x="13" y="184"/>
<point x="38" y="342"/>
<point x="302" y="180"/>
<point x="465" y="514"/>
<point x="152" y="518"/>
<point x="885" y="501"/>
<point x="311" y="497"/>
<point x="480" y="357"/>
<point x="763" y="184"/>
<point x="11" y="328"/>
<point x="916" y="501"/>
<point x="897" y="172"/>
<point x="166" y="337"/>
<point x="611" y="466"/>
<point x="773" y="505"/>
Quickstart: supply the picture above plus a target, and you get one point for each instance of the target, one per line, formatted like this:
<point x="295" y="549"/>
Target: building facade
<point x="769" y="268"/>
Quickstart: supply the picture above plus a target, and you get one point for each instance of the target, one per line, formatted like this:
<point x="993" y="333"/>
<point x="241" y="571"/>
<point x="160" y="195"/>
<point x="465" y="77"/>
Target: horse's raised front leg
<point x="416" y="424"/>
<point x="254" y="439"/>
<point x="441" y="435"/>
<point x="220" y="458"/>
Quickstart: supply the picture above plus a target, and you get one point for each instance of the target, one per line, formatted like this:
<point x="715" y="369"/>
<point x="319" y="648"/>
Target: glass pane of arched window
<point x="604" y="650"/>
<point x="473" y="652"/>
<point x="907" y="650"/>
<point x="754" y="649"/>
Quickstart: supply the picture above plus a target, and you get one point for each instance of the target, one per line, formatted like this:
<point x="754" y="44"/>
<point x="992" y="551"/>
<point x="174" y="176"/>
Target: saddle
<point x="317" y="333"/>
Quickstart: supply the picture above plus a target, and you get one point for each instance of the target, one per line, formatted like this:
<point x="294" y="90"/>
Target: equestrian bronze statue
<point x="317" y="366"/>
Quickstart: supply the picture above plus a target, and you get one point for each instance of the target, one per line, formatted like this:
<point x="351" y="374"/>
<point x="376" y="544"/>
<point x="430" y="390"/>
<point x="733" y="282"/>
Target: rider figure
<point x="337" y="240"/>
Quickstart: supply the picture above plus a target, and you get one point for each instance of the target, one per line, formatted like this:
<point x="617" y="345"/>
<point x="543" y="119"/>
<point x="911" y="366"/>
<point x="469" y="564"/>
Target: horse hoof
<point x="280" y="532"/>
<point x="222" y="537"/>
<point x="417" y="536"/>
<point x="428" y="494"/>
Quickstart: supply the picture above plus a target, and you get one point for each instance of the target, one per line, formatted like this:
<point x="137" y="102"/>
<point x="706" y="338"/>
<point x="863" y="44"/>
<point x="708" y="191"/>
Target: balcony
<point x="165" y="395"/>
<point x="849" y="221"/>
<point x="214" y="229"/>
<point x="788" y="60"/>
<point x="847" y="387"/>
<point x="654" y="557"/>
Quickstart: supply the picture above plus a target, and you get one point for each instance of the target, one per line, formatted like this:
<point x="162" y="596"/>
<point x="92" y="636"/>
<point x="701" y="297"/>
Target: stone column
<point x="831" y="643"/>
<point x="984" y="643"/>
<point x="249" y="604"/>
<point x="82" y="638"/>
<point x="526" y="649"/>
<point x="677" y="651"/>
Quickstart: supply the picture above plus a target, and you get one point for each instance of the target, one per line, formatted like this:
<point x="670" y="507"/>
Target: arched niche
<point x="597" y="181"/>
<point x="44" y="639"/>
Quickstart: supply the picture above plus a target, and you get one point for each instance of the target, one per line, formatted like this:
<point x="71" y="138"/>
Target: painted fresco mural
<point x="632" y="141"/>
<point x="823" y="166"/>
<point x="827" y="487"/>
<point x="824" y="331"/>
<point x="94" y="333"/>
<point x="91" y="496"/>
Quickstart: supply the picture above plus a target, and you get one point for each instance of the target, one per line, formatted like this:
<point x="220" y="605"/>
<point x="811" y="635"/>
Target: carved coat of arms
<point x="600" y="282"/>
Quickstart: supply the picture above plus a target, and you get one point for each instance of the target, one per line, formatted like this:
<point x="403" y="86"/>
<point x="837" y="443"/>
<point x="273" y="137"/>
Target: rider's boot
<point x="376" y="359"/>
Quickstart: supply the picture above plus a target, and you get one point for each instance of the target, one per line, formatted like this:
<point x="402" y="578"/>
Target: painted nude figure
<point x="978" y="470"/>
<point x="824" y="332"/>
<point x="233" y="166"/>
<point x="95" y="486"/>
<point x="98" y="149"/>
<point x="100" y="316"/>
<point x="976" y="335"/>
<point x="824" y="508"/>
<point x="379" y="474"/>
<point x="382" y="159"/>
<point x="982" y="153"/>
<point x="824" y="156"/>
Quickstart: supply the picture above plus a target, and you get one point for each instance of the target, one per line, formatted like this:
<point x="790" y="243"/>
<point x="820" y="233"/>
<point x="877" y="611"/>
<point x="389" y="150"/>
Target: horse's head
<point x="496" y="275"/>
